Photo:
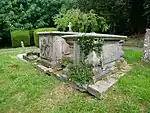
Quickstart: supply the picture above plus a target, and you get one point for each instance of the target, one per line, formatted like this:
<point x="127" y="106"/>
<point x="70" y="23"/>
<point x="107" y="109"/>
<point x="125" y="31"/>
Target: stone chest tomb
<point x="55" y="45"/>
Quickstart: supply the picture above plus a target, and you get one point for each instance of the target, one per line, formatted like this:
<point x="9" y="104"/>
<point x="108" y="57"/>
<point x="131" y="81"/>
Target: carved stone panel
<point x="46" y="46"/>
<point x="111" y="52"/>
<point x="60" y="48"/>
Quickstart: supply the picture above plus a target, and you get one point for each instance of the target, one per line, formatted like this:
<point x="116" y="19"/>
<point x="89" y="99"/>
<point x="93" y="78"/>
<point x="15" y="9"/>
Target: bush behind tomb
<point x="18" y="36"/>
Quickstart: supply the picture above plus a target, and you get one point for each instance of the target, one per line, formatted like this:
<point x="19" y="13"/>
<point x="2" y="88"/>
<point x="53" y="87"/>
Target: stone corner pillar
<point x="146" y="53"/>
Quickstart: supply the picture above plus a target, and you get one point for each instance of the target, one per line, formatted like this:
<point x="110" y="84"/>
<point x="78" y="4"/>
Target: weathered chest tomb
<point x="55" y="45"/>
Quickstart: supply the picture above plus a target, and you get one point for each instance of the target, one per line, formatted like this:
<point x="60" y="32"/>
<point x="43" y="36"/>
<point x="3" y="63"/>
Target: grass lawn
<point x="25" y="90"/>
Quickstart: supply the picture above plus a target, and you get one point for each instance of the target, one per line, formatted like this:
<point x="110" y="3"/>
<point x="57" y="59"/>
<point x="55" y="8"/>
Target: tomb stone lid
<point x="76" y="35"/>
<point x="90" y="35"/>
<point x="57" y="33"/>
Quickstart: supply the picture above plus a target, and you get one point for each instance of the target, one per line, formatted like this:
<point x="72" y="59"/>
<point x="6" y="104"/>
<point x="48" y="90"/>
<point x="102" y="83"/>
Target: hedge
<point x="36" y="37"/>
<point x="18" y="36"/>
<point x="31" y="32"/>
<point x="5" y="39"/>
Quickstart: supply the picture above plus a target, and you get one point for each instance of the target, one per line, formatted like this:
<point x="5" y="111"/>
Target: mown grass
<point x="25" y="90"/>
<point x="133" y="57"/>
<point x="20" y="83"/>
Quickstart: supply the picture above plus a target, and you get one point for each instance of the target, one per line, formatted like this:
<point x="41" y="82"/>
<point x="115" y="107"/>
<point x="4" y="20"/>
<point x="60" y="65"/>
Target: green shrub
<point x="31" y="32"/>
<point x="36" y="37"/>
<point x="18" y="36"/>
<point x="80" y="74"/>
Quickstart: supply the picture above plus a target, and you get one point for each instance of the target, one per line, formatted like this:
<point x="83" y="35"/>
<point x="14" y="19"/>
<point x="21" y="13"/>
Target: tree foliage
<point x="81" y="22"/>
<point x="27" y="14"/>
<point x="123" y="15"/>
<point x="131" y="16"/>
<point x="114" y="11"/>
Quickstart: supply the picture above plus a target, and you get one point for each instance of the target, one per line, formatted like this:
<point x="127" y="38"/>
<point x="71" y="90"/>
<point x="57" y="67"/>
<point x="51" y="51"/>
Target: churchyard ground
<point x="23" y="89"/>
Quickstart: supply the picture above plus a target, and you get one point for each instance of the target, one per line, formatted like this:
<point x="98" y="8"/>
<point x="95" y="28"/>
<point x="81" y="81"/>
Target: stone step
<point x="101" y="87"/>
<point x="44" y="62"/>
<point x="48" y="63"/>
<point x="44" y="69"/>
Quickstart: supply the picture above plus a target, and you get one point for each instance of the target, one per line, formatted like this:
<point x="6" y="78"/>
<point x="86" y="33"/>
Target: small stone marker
<point x="22" y="45"/>
<point x="70" y="27"/>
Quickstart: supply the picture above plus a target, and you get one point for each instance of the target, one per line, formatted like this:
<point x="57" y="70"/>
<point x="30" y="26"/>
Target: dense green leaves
<point x="123" y="16"/>
<point x="115" y="11"/>
<point x="18" y="36"/>
<point x="88" y="44"/>
<point x="80" y="74"/>
<point x="27" y="14"/>
<point x="81" y="22"/>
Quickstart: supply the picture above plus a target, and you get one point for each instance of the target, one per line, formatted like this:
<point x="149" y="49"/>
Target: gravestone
<point x="112" y="53"/>
<point x="53" y="47"/>
<point x="146" y="54"/>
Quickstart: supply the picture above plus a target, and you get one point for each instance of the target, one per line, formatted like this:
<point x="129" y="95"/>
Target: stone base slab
<point x="44" y="62"/>
<point x="100" y="87"/>
<point x="44" y="69"/>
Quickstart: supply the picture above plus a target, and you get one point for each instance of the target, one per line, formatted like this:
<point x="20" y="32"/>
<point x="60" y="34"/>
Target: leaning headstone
<point x="146" y="54"/>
